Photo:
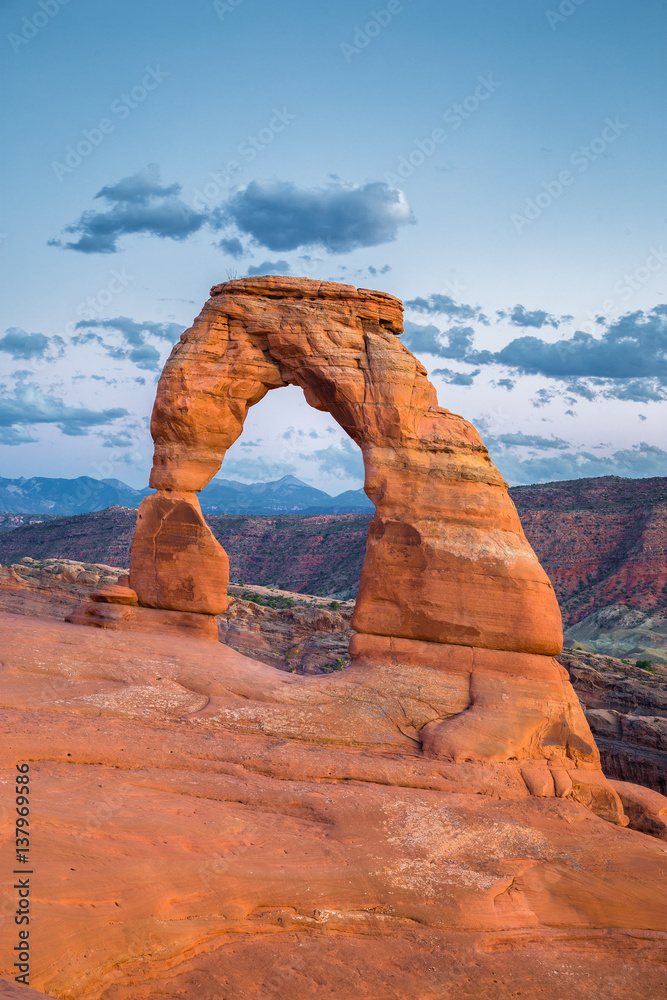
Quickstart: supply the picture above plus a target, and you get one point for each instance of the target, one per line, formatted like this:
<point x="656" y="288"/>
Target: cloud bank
<point x="280" y="215"/>
<point x="28" y="406"/>
<point x="628" y="361"/>
<point x="134" y="345"/>
<point x="137" y="204"/>
<point x="276" y="215"/>
<point x="641" y="461"/>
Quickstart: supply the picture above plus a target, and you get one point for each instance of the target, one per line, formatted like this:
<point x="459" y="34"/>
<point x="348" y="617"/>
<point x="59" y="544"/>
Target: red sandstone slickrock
<point x="433" y="821"/>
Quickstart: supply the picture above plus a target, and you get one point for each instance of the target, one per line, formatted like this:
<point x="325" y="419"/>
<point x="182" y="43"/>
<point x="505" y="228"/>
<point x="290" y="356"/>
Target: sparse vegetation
<point x="278" y="602"/>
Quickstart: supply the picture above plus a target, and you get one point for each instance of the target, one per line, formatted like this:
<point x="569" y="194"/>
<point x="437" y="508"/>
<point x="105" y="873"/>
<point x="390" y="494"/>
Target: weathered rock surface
<point x="446" y="560"/>
<point x="16" y="991"/>
<point x="645" y="809"/>
<point x="53" y="587"/>
<point x="203" y="832"/>
<point x="626" y="708"/>
<point x="386" y="830"/>
<point x="176" y="562"/>
<point x="290" y="631"/>
<point x="448" y="580"/>
<point x="446" y="563"/>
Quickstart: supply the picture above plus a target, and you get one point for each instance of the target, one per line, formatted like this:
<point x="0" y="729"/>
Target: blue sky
<point x="499" y="167"/>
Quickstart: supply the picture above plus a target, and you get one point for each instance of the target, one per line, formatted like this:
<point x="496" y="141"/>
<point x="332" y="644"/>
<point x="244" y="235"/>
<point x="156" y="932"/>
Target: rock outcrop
<point x="431" y="820"/>
<point x="289" y="631"/>
<point x="624" y="632"/>
<point x="200" y="834"/>
<point x="53" y="587"/>
<point x="446" y="560"/>
<point x="450" y="587"/>
<point x="626" y="708"/>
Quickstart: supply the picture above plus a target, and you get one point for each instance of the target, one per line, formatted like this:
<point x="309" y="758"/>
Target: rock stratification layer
<point x="405" y="827"/>
<point x="199" y="834"/>
<point x="449" y="579"/>
<point x="447" y="559"/>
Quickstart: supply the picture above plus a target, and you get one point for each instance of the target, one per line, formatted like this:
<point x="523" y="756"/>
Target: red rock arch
<point x="447" y="560"/>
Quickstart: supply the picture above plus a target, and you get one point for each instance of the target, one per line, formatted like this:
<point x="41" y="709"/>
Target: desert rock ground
<point x="432" y="821"/>
<point x="195" y="837"/>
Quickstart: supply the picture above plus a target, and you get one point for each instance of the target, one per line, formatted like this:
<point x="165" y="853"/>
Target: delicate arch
<point x="447" y="560"/>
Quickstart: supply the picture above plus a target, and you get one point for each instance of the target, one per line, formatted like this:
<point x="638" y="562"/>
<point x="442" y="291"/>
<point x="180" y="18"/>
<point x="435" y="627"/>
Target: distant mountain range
<point x="65" y="497"/>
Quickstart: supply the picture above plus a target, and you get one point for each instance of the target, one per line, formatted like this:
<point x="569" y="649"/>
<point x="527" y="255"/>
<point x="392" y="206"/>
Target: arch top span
<point x="277" y="287"/>
<point x="446" y="561"/>
<point x="339" y="343"/>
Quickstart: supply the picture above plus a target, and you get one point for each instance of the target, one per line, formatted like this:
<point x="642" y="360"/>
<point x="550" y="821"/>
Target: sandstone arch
<point x="456" y="623"/>
<point x="447" y="559"/>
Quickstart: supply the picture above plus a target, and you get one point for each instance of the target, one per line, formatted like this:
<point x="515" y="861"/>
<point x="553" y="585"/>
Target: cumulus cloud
<point x="640" y="461"/>
<point x="455" y="343"/>
<point x="543" y="396"/>
<point x="628" y="361"/>
<point x="134" y="346"/>
<point x="635" y="346"/>
<point x="233" y="247"/>
<point x="133" y="332"/>
<point x="22" y="345"/>
<point x="16" y="434"/>
<point x="445" y="305"/>
<point x="456" y="378"/>
<point x="277" y="215"/>
<point x="136" y="204"/>
<point x="29" y="405"/>
<point x="637" y="390"/>
<point x="121" y="440"/>
<point x="521" y="440"/>
<point x="280" y="215"/>
<point x="581" y="388"/>
<point x="295" y="433"/>
<point x="519" y="316"/>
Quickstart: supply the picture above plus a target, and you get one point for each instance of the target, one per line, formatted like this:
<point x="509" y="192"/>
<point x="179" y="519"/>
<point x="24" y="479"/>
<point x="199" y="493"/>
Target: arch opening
<point x="284" y="436"/>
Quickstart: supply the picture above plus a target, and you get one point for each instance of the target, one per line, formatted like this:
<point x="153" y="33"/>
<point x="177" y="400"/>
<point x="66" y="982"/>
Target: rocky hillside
<point x="301" y="633"/>
<point x="602" y="541"/>
<point x="316" y="555"/>
<point x="104" y="536"/>
<point x="626" y="708"/>
<point x="622" y="631"/>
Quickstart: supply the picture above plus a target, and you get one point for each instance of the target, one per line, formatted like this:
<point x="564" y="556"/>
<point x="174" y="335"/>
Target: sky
<point x="500" y="167"/>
